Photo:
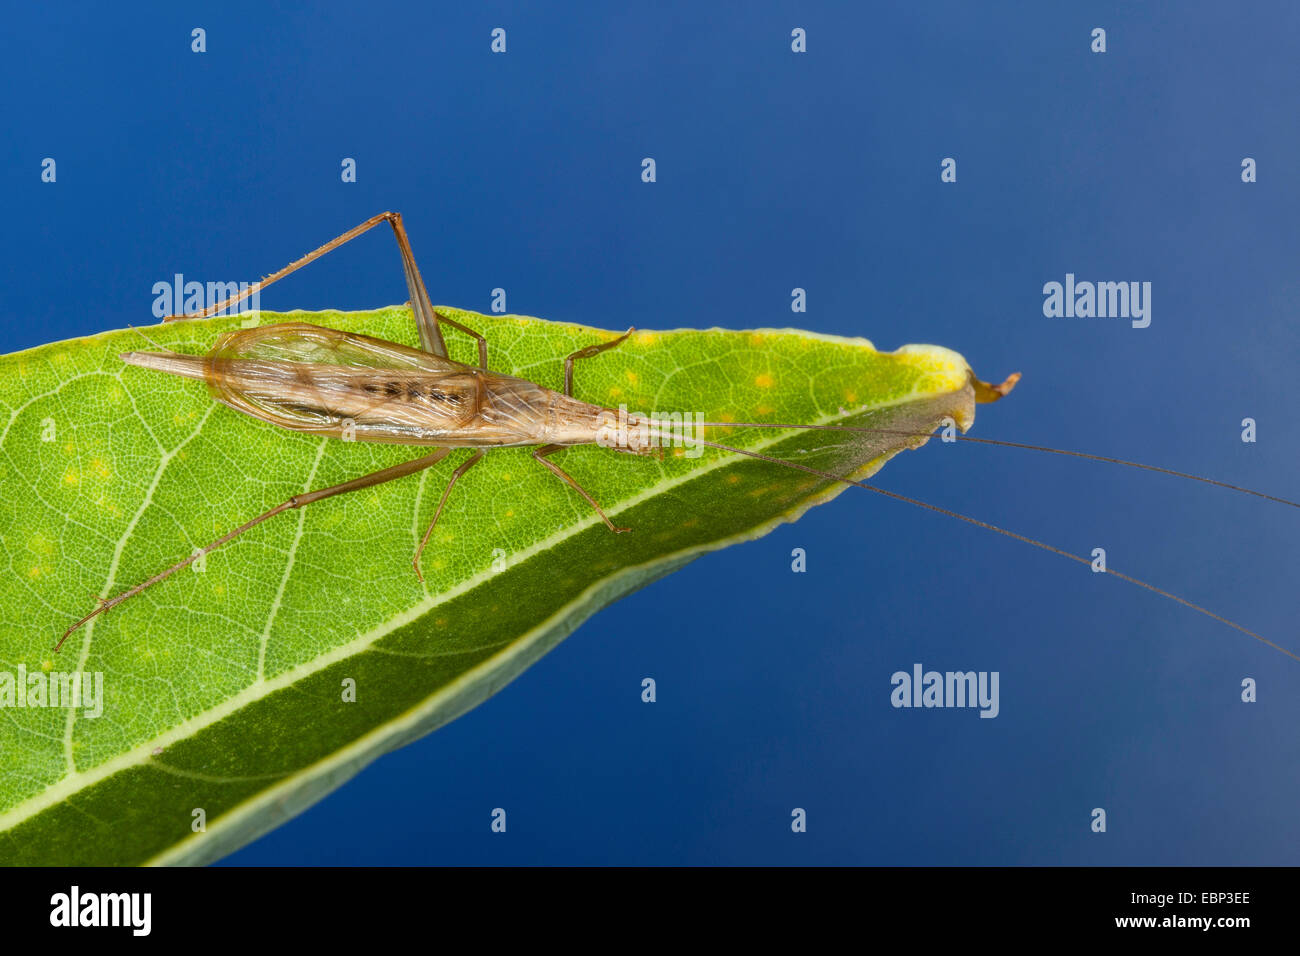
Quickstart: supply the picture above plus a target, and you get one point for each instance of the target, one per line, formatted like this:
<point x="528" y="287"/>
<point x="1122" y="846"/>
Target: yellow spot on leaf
<point x="733" y="479"/>
<point x="631" y="376"/>
<point x="850" y="396"/>
<point x="97" y="465"/>
<point x="615" y="392"/>
<point x="764" y="381"/>
<point x="71" y="477"/>
<point x="109" y="506"/>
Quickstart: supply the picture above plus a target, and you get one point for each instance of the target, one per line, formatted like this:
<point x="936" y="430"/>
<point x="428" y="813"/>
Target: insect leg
<point x="426" y="321"/>
<point x="588" y="352"/>
<point x="482" y="342"/>
<point x="545" y="450"/>
<point x="297" y="501"/>
<point x="455" y="475"/>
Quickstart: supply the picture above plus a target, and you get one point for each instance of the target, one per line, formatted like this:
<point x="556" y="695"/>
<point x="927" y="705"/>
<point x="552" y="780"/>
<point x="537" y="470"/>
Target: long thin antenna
<point x="1015" y="444"/>
<point x="1002" y="531"/>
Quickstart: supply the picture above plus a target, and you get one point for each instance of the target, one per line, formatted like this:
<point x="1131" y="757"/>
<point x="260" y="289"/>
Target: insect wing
<point x="307" y="378"/>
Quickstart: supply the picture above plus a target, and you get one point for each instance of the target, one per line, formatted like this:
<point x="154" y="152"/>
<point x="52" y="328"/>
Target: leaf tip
<point x="985" y="392"/>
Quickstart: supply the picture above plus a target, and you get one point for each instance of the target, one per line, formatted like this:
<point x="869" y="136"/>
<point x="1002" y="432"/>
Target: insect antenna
<point x="1042" y="545"/>
<point x="1015" y="444"/>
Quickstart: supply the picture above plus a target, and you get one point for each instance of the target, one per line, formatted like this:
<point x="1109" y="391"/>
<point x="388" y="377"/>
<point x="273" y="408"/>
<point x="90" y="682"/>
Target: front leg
<point x="541" y="454"/>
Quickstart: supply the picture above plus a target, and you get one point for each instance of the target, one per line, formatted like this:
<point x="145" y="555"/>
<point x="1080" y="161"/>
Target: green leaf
<point x="223" y="690"/>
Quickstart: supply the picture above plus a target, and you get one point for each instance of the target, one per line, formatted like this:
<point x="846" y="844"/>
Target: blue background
<point x="777" y="170"/>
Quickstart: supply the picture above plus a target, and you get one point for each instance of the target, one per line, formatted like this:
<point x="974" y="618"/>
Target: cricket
<point x="354" y="387"/>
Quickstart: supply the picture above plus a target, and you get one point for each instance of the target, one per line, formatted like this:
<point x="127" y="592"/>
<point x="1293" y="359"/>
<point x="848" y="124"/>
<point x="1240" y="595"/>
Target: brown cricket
<point x="343" y="385"/>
